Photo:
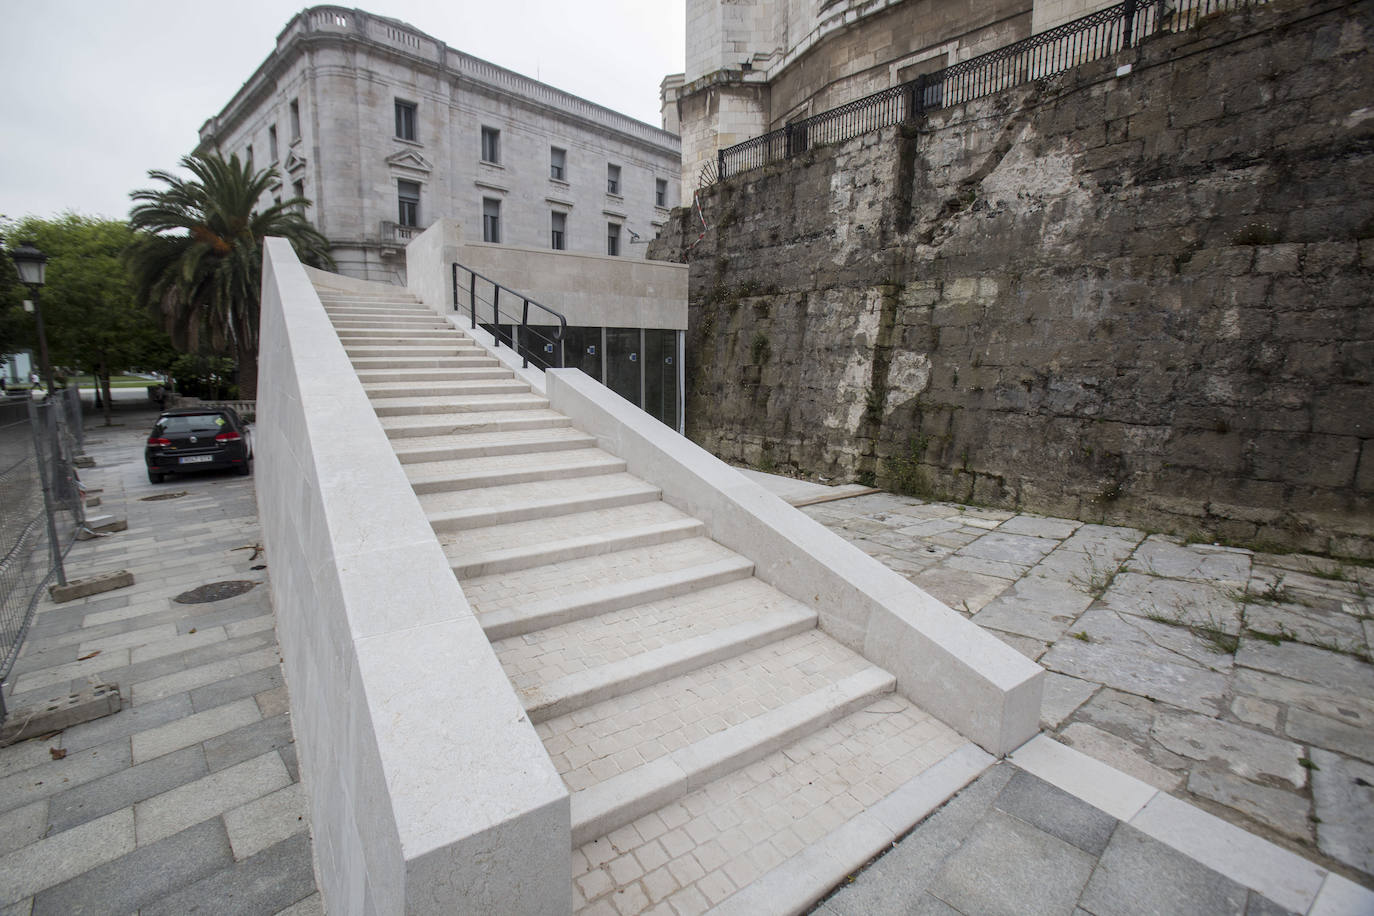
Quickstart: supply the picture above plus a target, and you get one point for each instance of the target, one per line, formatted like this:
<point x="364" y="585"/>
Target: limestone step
<point x="538" y="542"/>
<point x="633" y="793"/>
<point x="495" y="470"/>
<point x="461" y="510"/>
<point x="450" y="349"/>
<point x="477" y="421"/>
<point x="415" y="376"/>
<point x="579" y="602"/>
<point x="419" y="406"/>
<point x="377" y="308"/>
<point x="385" y="390"/>
<point x="376" y="363"/>
<point x="797" y="809"/>
<point x="478" y="445"/>
<point x="576" y="664"/>
<point x="386" y="335"/>
<point x="428" y="321"/>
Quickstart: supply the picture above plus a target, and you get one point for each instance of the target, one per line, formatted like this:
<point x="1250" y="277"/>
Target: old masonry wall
<point x="1138" y="298"/>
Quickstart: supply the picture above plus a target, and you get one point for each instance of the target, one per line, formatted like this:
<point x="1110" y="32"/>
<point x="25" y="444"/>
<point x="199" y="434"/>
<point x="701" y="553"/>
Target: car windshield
<point x="198" y="423"/>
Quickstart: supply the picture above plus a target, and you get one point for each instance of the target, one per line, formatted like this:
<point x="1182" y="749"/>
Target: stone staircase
<point x="707" y="730"/>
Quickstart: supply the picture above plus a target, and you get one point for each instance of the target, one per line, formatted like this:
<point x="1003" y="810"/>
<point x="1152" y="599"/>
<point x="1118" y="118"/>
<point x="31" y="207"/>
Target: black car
<point x="198" y="439"/>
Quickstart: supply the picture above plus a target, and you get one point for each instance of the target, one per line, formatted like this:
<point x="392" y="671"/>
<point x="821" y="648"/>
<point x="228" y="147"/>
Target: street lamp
<point x="32" y="265"/>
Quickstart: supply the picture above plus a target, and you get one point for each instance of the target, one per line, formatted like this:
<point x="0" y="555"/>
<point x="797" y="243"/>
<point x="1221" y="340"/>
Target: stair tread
<point x="462" y="399"/>
<point x="412" y="376"/>
<point x="464" y="468"/>
<point x="474" y="442"/>
<point x="538" y="532"/>
<point x="400" y="427"/>
<point x="531" y="492"/>
<point x="739" y="826"/>
<point x="495" y="593"/>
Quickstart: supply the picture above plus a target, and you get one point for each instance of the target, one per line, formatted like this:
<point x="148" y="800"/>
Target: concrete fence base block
<point x="63" y="712"/>
<point x="101" y="524"/>
<point x="92" y="502"/>
<point x="84" y="461"/>
<point x="94" y="585"/>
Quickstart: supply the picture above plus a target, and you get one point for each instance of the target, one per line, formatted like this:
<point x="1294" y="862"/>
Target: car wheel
<point x="154" y="476"/>
<point x="245" y="469"/>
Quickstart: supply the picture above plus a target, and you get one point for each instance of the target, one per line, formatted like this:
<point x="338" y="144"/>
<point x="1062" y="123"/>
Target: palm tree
<point x="198" y="261"/>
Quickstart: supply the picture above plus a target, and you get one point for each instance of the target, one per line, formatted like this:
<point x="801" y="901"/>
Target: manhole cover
<point x="153" y="499"/>
<point x="215" y="591"/>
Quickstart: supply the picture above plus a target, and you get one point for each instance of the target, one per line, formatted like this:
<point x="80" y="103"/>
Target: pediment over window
<point x="294" y="163"/>
<point x="407" y="160"/>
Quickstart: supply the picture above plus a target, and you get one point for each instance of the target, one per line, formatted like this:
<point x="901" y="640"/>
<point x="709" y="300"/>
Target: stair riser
<point x="515" y="560"/>
<point x="456" y="389"/>
<point x="357" y="352"/>
<point x="396" y="377"/>
<point x="501" y="625"/>
<point x="529" y="475"/>
<point x="383" y="337"/>
<point x="466" y="521"/>
<point x="518" y="447"/>
<point x="414" y="410"/>
<point x="434" y="362"/>
<point x="411" y="431"/>
<point x="379" y="314"/>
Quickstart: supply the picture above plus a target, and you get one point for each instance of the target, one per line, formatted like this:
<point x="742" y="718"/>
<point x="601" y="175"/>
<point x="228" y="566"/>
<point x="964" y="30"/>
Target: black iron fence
<point x="41" y="508"/>
<point x="507" y="318"/>
<point x="1093" y="37"/>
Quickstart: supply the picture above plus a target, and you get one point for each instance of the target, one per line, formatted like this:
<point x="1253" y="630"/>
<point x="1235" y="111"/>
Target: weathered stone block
<point x="93" y="585"/>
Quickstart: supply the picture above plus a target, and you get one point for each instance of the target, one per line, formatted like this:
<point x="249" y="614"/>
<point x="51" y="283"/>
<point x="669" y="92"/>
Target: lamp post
<point x="32" y="265"/>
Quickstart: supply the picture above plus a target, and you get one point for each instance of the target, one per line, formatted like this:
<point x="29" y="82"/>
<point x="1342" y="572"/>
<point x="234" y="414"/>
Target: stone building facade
<point x="755" y="65"/>
<point x="386" y="129"/>
<point x="1135" y="297"/>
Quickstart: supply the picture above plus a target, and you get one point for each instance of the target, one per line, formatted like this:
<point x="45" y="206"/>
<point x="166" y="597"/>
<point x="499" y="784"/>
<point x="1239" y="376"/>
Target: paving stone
<point x="1313" y="729"/>
<point x="194" y="729"/>
<point x="1056" y="812"/>
<point x="267" y="821"/>
<point x="22" y="826"/>
<point x="1030" y="648"/>
<point x="996" y="569"/>
<point x="1141" y="657"/>
<point x="1038" y="526"/>
<point x="1246" y="752"/>
<point x="1355" y="710"/>
<point x="143" y="876"/>
<point x="1313" y="625"/>
<point x="266" y="883"/>
<point x="1118" y="752"/>
<point x="1203" y="604"/>
<point x="125" y="787"/>
<point x="1257" y="712"/>
<point x="1009" y="867"/>
<point x="1309" y="663"/>
<point x="1138" y="875"/>
<point x="266" y="677"/>
<point x="250" y="741"/>
<point x="1285" y="811"/>
<point x="1009" y="548"/>
<point x="1158" y="555"/>
<point x="1343" y="796"/>
<point x="310" y="906"/>
<point x="1063" y="695"/>
<point x="175" y="810"/>
<point x="274" y="702"/>
<point x="55" y="776"/>
<point x="963" y="591"/>
<point x="1042" y="609"/>
<point x="62" y="856"/>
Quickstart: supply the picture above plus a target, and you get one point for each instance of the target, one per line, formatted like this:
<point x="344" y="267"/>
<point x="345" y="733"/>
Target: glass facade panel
<point x="582" y="350"/>
<point x="660" y="375"/>
<point x="624" y="360"/>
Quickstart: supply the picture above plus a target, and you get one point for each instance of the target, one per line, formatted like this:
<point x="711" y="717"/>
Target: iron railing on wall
<point x="1093" y="37"/>
<point x="41" y="508"/>
<point x="508" y="319"/>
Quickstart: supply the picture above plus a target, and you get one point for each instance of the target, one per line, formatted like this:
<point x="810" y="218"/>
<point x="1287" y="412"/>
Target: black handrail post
<point x="525" y="333"/>
<point x="496" y="313"/>
<point x="472" y="298"/>
<point x="720" y="165"/>
<point x="455" y="286"/>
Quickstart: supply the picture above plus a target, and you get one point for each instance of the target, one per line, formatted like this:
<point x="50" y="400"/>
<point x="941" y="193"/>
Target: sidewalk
<point x="189" y="798"/>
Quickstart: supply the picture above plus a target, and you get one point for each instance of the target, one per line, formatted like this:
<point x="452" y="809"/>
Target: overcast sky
<point x="97" y="92"/>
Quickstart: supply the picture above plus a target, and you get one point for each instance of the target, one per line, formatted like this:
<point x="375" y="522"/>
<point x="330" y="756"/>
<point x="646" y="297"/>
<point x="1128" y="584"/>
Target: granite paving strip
<point x="188" y="798"/>
<point x="1238" y="680"/>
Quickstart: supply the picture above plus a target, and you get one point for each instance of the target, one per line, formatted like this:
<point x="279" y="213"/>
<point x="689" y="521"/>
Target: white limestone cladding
<point x="386" y="129"/>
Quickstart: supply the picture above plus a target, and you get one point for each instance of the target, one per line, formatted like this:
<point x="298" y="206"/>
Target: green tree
<point x="198" y="260"/>
<point x="94" y="323"/>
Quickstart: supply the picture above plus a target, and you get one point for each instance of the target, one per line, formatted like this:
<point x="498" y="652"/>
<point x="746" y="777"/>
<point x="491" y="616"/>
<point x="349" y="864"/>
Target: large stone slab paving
<point x="1131" y="879"/>
<point x="1201" y="604"/>
<point x="1285" y="811"/>
<point x="1165" y="557"/>
<point x="1016" y="549"/>
<point x="1343" y="792"/>
<point x="1038" y="607"/>
<point x="1243" y="751"/>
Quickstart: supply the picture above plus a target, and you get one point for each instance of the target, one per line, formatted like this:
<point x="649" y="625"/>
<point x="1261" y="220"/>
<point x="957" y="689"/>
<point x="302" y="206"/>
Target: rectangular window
<point x="491" y="145"/>
<point x="660" y="192"/>
<point x="295" y="120"/>
<point x="298" y="192"/>
<point x="558" y="238"/>
<point x="408" y="199"/>
<point x="613" y="239"/>
<point x="491" y="220"/>
<point x="272" y="141"/>
<point x="612" y="179"/>
<point x="558" y="163"/>
<point x="405" y="120"/>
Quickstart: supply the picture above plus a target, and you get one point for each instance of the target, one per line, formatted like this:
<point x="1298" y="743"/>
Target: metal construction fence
<point x="41" y="508"/>
<point x="1093" y="37"/>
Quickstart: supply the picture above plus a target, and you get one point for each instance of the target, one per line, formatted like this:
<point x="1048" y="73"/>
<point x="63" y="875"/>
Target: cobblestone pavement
<point x="1240" y="681"/>
<point x="189" y="798"/>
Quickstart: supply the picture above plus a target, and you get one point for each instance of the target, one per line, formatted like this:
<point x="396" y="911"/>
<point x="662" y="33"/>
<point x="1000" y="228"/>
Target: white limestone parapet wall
<point x="948" y="666"/>
<point x="429" y="790"/>
<point x="590" y="290"/>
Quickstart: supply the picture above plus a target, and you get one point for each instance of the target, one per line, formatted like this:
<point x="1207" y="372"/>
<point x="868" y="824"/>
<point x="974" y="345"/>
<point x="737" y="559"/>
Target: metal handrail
<point x="518" y="337"/>
<point x="1092" y="37"/>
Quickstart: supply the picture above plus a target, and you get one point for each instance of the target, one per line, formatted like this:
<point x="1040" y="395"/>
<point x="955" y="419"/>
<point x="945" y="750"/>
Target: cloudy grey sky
<point x="97" y="92"/>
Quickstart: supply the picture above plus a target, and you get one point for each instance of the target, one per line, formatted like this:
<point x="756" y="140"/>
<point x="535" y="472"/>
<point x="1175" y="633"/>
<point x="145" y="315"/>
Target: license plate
<point x="196" y="459"/>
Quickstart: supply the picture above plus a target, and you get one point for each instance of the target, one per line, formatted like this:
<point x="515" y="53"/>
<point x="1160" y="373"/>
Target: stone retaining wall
<point x="1134" y="296"/>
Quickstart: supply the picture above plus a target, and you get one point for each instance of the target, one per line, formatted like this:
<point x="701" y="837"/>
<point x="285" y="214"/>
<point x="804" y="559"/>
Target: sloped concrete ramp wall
<point x="429" y="790"/>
